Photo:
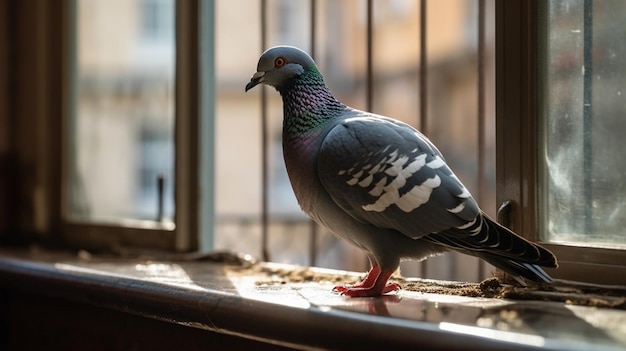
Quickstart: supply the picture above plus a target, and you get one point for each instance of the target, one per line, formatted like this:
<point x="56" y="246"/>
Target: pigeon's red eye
<point x="279" y="62"/>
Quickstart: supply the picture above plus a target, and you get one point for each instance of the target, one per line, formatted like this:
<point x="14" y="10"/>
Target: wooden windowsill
<point x="253" y="302"/>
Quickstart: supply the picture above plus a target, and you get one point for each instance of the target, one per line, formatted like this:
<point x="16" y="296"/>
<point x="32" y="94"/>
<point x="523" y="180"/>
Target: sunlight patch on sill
<point x="614" y="318"/>
<point x="247" y="287"/>
<point x="144" y="224"/>
<point x="163" y="273"/>
<point x="493" y="334"/>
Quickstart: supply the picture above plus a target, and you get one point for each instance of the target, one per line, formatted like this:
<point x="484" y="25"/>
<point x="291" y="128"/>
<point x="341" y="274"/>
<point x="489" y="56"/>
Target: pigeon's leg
<point x="374" y="284"/>
<point x="369" y="280"/>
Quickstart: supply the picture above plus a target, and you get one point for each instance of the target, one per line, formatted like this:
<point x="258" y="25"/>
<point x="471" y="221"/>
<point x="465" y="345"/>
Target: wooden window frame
<point x="518" y="143"/>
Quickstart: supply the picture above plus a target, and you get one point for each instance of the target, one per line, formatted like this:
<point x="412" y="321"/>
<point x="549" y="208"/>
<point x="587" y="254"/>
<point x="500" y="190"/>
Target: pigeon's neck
<point x="308" y="105"/>
<point x="310" y="110"/>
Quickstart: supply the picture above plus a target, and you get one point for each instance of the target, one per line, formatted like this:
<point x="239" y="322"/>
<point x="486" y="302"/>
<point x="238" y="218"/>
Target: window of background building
<point x="122" y="125"/>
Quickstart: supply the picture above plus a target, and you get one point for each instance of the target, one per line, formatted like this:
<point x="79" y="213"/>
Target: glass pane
<point x="583" y="110"/>
<point x="122" y="128"/>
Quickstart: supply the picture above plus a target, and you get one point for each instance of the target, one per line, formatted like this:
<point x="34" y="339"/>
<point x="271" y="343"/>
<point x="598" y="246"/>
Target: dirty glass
<point x="583" y="114"/>
<point x="121" y="129"/>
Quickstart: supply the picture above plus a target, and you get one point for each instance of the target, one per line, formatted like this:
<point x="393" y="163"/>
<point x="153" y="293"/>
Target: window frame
<point x="188" y="115"/>
<point x="518" y="143"/>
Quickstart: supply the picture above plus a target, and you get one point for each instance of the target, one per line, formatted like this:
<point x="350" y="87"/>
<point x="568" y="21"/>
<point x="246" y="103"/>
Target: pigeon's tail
<point x="516" y="255"/>
<point x="500" y="247"/>
<point x="517" y="269"/>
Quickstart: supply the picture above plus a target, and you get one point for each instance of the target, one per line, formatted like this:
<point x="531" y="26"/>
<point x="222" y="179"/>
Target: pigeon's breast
<point x="300" y="154"/>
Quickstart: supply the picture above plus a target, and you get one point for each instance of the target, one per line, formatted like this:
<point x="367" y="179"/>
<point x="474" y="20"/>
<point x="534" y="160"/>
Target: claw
<point x="374" y="284"/>
<point x="360" y="291"/>
<point x="340" y="288"/>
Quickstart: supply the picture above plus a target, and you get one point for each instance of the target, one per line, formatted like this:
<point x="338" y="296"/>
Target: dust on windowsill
<point x="567" y="292"/>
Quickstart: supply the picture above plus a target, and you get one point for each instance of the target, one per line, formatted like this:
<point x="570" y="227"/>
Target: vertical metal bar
<point x="423" y="93"/>
<point x="587" y="113"/>
<point x="206" y="41"/>
<point x="423" y="78"/>
<point x="313" y="34"/>
<point x="160" y="196"/>
<point x="481" y="111"/>
<point x="312" y="225"/>
<point x="70" y="111"/>
<point x="264" y="149"/>
<point x="369" y="68"/>
<point x="481" y="99"/>
<point x="186" y="135"/>
<point x="369" y="92"/>
<point x="60" y="47"/>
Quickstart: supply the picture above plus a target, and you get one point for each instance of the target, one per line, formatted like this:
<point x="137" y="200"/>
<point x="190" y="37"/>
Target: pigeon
<point x="380" y="184"/>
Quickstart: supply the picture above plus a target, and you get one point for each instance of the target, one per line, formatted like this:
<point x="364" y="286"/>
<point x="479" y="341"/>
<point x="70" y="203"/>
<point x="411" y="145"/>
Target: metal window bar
<point x="423" y="78"/>
<point x="481" y="110"/>
<point x="264" y="148"/>
<point x="587" y="114"/>
<point x="423" y="92"/>
<point x="369" y="91"/>
<point x="312" y="224"/>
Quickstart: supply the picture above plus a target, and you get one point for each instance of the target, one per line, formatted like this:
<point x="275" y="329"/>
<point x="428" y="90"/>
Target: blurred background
<point x="123" y="125"/>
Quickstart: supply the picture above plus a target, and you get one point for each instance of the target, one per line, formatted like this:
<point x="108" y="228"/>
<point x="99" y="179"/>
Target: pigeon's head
<point x="280" y="65"/>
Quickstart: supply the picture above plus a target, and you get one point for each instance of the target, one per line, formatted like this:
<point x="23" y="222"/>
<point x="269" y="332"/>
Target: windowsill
<point x="218" y="297"/>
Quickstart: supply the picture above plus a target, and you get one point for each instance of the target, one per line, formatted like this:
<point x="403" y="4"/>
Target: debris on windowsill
<point x="568" y="292"/>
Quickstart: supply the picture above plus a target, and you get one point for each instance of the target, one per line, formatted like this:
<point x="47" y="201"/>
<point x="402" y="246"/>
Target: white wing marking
<point x="378" y="188"/>
<point x="396" y="166"/>
<point x="468" y="224"/>
<point x="419" y="195"/>
<point x="366" y="181"/>
<point x="389" y="195"/>
<point x="457" y="209"/>
<point x="436" y="163"/>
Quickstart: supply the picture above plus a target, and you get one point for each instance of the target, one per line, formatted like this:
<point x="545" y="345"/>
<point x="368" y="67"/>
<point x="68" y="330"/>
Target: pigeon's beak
<point x="255" y="80"/>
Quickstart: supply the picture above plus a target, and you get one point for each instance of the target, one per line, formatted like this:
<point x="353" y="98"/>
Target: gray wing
<point x="386" y="173"/>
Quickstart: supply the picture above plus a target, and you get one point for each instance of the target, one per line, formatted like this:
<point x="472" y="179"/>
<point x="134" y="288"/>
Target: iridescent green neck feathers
<point x="308" y="104"/>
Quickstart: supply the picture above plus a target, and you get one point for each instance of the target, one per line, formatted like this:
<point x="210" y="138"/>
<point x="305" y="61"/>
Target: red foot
<point x="375" y="284"/>
<point x="354" y="291"/>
